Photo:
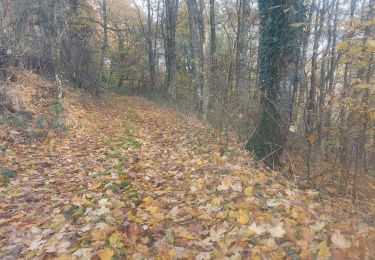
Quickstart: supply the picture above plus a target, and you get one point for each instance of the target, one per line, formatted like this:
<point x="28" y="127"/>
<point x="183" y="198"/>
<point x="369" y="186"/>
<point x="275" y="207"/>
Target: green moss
<point x="5" y="175"/>
<point x="74" y="211"/>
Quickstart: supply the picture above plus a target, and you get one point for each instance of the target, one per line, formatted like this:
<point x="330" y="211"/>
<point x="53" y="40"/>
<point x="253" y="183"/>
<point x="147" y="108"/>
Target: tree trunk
<point x="150" y="47"/>
<point x="206" y="51"/>
<point x="242" y="49"/>
<point x="55" y="40"/>
<point x="171" y="9"/>
<point x="197" y="54"/>
<point x="121" y="49"/>
<point x="279" y="51"/>
<point x="104" y="44"/>
<point x="311" y="121"/>
<point x="213" y="89"/>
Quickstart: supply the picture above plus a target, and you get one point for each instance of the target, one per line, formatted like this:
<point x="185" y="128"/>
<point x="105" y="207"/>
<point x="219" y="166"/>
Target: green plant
<point x="18" y="121"/>
<point x="57" y="108"/>
<point x="41" y="121"/>
<point x="5" y="175"/>
<point x="74" y="211"/>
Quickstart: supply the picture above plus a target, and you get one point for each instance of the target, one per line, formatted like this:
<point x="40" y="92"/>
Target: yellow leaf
<point x="362" y="86"/>
<point x="152" y="209"/>
<point x="156" y="218"/>
<point x="181" y="232"/>
<point x="114" y="240"/>
<point x="200" y="183"/>
<point x="216" y="201"/>
<point x="135" y="219"/>
<point x="63" y="257"/>
<point x="246" y="232"/>
<point x="277" y="186"/>
<point x="106" y="254"/>
<point x="94" y="185"/>
<point x="242" y="217"/>
<point x="370" y="44"/>
<point x="260" y="178"/>
<point x="248" y="191"/>
<point x="371" y="116"/>
<point x="323" y="249"/>
<point x="311" y="138"/>
<point x="199" y="163"/>
<point x="147" y="200"/>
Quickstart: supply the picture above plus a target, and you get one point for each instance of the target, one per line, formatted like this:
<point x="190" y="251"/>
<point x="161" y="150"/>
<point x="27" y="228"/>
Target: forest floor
<point x="130" y="179"/>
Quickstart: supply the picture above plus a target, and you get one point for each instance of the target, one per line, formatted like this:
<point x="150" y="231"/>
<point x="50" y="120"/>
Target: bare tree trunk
<point x="242" y="49"/>
<point x="150" y="47"/>
<point x="212" y="32"/>
<point x="211" y="85"/>
<point x="121" y="49"/>
<point x="331" y="77"/>
<point x="171" y="9"/>
<point x="56" y="34"/>
<point x="104" y="44"/>
<point x="206" y="51"/>
<point x="197" y="54"/>
<point x="311" y="120"/>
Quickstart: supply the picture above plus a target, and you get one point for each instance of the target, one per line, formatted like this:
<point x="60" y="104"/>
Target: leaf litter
<point x="138" y="181"/>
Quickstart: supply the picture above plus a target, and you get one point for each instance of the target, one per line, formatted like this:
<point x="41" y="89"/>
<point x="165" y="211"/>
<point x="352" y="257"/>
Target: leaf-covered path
<point x="136" y="181"/>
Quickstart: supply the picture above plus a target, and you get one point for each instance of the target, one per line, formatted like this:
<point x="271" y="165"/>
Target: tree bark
<point x="150" y="47"/>
<point x="312" y="113"/>
<point x="104" y="44"/>
<point x="242" y="49"/>
<point x="196" y="47"/>
<point x="171" y="9"/>
<point x="279" y="52"/>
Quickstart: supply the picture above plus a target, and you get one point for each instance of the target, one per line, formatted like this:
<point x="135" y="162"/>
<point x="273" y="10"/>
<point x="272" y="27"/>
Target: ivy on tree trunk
<point x="282" y="24"/>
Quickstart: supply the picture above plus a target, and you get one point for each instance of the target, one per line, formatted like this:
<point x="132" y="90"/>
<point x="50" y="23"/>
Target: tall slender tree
<point x="150" y="46"/>
<point x="104" y="13"/>
<point x="196" y="46"/>
<point x="312" y="113"/>
<point x="242" y="47"/>
<point x="171" y="9"/>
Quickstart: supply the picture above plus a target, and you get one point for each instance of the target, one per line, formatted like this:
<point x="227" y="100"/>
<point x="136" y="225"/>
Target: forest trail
<point x="136" y="181"/>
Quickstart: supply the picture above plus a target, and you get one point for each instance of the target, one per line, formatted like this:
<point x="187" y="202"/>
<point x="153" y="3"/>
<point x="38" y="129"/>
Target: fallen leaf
<point x="248" y="191"/>
<point x="339" y="241"/>
<point x="276" y="230"/>
<point x="242" y="217"/>
<point x="258" y="229"/>
<point x="323" y="250"/>
<point x="152" y="209"/>
<point x="318" y="226"/>
<point x="63" y="257"/>
<point x="203" y="256"/>
<point x="230" y="183"/>
<point x="183" y="233"/>
<point x="271" y="203"/>
<point x="106" y="254"/>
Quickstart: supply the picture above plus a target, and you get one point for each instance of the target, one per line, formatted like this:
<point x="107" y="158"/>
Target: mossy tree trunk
<point x="282" y="23"/>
